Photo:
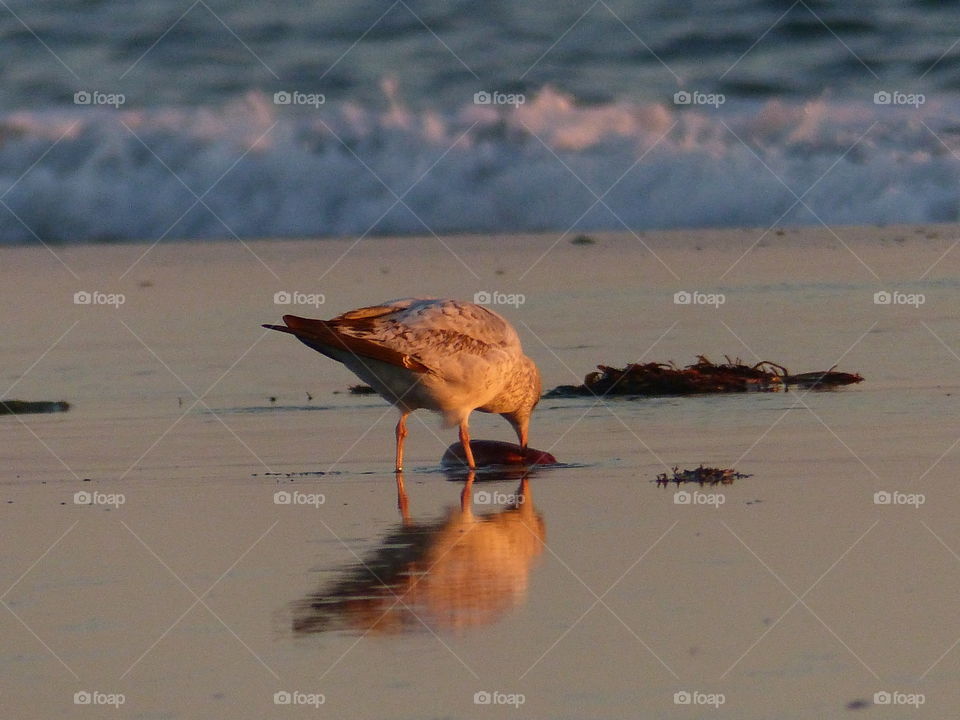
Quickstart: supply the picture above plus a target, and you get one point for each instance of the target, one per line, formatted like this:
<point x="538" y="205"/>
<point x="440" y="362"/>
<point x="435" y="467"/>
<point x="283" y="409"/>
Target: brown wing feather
<point x="325" y="332"/>
<point x="366" y="313"/>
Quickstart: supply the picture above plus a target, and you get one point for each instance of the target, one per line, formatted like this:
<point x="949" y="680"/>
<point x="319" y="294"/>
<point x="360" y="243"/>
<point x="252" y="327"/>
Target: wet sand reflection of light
<point x="461" y="571"/>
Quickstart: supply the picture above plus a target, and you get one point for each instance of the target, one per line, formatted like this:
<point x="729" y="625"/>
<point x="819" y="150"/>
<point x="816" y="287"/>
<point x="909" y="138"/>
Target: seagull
<point x="445" y="355"/>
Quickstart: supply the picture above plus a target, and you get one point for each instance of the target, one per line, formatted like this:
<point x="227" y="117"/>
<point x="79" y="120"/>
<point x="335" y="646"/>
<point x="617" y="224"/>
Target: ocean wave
<point x="252" y="168"/>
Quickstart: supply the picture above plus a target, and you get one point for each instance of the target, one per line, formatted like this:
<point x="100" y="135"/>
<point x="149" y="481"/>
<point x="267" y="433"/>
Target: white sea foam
<point x="337" y="169"/>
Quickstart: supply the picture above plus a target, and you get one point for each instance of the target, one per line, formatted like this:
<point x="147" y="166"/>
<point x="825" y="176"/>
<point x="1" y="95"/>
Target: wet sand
<point x="788" y="594"/>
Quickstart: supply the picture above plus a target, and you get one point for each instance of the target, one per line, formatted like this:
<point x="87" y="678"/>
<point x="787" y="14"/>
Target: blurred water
<point x="177" y="96"/>
<point x="167" y="53"/>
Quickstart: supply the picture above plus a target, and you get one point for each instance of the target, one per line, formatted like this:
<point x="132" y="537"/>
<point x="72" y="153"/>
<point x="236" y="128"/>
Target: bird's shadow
<point x="465" y="569"/>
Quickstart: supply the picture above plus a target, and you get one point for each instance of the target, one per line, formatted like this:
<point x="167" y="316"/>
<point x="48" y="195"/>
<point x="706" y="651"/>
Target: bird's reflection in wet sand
<point x="461" y="571"/>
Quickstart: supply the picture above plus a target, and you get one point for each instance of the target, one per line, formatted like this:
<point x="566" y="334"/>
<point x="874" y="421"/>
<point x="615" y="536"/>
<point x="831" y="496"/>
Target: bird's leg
<point x="401" y="434"/>
<point x="465" y="441"/>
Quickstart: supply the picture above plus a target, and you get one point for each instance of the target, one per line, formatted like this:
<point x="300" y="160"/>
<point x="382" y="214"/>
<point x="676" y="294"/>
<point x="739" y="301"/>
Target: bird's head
<point x="528" y="395"/>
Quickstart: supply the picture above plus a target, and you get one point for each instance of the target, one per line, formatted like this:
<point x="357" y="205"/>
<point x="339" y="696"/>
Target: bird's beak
<point x="520" y="424"/>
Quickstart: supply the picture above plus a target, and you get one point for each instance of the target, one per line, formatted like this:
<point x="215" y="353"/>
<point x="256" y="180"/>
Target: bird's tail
<point x="324" y="336"/>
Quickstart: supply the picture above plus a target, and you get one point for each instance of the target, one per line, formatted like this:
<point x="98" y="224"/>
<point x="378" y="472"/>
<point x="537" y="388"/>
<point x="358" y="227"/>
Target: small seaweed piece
<point x="701" y="475"/>
<point x="21" y="407"/>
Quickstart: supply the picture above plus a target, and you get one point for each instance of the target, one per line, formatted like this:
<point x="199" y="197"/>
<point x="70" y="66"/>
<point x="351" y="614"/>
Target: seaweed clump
<point x="703" y="376"/>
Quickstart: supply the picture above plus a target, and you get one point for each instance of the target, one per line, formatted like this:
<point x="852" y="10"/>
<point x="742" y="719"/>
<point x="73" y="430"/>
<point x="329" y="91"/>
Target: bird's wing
<point x="321" y="335"/>
<point x="430" y="328"/>
<point x="421" y="334"/>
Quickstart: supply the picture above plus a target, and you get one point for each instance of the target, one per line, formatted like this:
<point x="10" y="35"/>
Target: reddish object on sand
<point x="495" y="452"/>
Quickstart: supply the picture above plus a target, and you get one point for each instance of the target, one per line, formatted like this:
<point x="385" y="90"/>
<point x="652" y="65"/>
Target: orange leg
<point x="465" y="441"/>
<point x="401" y="434"/>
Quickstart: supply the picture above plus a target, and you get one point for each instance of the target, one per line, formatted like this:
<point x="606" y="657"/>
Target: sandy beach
<point x="179" y="585"/>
